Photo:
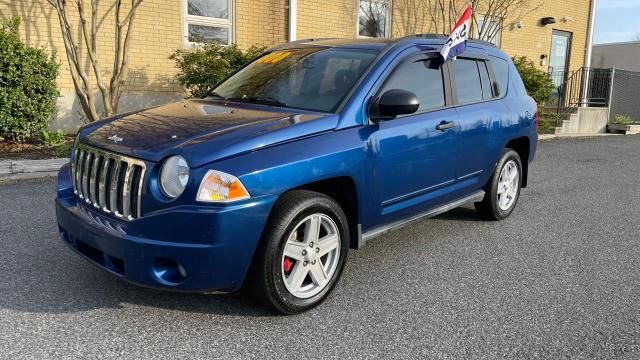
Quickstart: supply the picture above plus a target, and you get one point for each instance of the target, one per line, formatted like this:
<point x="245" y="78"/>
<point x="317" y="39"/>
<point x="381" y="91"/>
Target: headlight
<point x="174" y="176"/>
<point x="217" y="186"/>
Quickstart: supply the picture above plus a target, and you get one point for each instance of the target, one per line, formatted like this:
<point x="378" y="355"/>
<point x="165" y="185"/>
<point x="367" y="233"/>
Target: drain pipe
<point x="589" y="51"/>
<point x="293" y="19"/>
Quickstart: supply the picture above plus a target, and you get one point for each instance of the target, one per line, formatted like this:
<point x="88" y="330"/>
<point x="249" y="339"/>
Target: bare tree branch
<point x="488" y="16"/>
<point x="87" y="42"/>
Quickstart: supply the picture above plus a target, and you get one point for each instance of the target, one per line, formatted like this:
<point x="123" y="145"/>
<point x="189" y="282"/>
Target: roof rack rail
<point x="300" y="42"/>
<point x="443" y="37"/>
<point x="427" y="36"/>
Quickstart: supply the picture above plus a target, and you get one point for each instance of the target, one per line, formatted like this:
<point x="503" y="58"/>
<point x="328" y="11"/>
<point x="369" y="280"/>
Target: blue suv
<point x="314" y="148"/>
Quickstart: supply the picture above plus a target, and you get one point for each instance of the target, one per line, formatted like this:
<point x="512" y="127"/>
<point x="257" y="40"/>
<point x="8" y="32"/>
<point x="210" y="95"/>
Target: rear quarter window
<point x="467" y="79"/>
<point x="501" y="71"/>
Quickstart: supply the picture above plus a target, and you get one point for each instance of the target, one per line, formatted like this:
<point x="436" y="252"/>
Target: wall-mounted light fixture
<point x="543" y="60"/>
<point x="517" y="25"/>
<point x="547" y="21"/>
<point x="567" y="19"/>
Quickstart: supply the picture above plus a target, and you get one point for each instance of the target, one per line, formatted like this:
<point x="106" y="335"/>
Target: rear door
<point x="414" y="156"/>
<point x="474" y="94"/>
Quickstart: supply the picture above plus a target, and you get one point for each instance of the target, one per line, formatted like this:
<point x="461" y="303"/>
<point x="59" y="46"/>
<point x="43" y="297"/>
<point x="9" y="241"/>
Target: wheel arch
<point x="344" y="191"/>
<point x="522" y="145"/>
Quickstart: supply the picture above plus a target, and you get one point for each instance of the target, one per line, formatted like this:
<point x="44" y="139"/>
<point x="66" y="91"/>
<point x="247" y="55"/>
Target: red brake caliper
<point x="287" y="264"/>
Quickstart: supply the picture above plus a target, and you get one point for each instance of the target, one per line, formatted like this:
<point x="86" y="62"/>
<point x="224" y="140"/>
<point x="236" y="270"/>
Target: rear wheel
<point x="302" y="253"/>
<point x="503" y="189"/>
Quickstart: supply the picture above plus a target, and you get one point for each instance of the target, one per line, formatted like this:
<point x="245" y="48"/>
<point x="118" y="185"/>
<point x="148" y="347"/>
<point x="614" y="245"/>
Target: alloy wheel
<point x="310" y="256"/>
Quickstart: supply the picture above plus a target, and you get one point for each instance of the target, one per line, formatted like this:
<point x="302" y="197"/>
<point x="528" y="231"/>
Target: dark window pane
<point x="209" y="8"/>
<point x="201" y="33"/>
<point x="423" y="78"/>
<point x="372" y="18"/>
<point x="467" y="81"/>
<point x="501" y="71"/>
<point x="486" y="81"/>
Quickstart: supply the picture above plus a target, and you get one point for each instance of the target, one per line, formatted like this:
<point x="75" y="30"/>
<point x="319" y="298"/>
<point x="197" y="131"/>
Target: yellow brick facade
<point x="534" y="40"/>
<point x="160" y="30"/>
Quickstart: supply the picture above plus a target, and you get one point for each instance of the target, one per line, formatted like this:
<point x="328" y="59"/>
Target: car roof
<point x="377" y="43"/>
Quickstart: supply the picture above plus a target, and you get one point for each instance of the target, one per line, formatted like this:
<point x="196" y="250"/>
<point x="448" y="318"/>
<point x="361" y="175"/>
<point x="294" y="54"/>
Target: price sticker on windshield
<point x="274" y="58"/>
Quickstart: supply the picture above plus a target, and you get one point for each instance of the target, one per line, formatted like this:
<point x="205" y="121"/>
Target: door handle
<point x="446" y="125"/>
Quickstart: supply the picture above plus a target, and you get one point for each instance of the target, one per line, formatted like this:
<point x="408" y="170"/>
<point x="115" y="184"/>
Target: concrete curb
<point x="543" y="137"/>
<point x="30" y="169"/>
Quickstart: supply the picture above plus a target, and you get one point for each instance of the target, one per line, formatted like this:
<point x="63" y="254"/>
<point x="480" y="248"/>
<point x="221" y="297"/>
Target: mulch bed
<point x="10" y="150"/>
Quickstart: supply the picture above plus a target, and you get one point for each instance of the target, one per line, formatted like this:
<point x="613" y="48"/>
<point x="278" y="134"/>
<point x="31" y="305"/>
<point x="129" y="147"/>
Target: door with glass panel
<point x="559" y="60"/>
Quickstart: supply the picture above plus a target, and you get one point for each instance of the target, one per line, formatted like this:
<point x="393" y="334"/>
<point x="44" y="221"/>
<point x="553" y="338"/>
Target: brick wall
<point x="533" y="39"/>
<point x="159" y="31"/>
<point x="330" y="18"/>
<point x="263" y="23"/>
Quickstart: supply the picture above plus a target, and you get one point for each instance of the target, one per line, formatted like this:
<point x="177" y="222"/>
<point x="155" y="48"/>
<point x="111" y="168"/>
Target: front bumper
<point x="213" y="245"/>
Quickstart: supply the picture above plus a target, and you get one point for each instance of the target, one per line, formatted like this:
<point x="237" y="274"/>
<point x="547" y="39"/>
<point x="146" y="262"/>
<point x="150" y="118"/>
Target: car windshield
<point x="311" y="78"/>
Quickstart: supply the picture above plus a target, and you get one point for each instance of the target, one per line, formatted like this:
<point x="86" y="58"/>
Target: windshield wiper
<point x="215" y="94"/>
<point x="259" y="100"/>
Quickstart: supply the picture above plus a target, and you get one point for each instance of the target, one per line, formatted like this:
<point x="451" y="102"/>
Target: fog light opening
<point x="169" y="272"/>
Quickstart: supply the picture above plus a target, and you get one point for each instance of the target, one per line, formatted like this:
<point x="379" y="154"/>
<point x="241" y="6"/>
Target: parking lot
<point x="558" y="279"/>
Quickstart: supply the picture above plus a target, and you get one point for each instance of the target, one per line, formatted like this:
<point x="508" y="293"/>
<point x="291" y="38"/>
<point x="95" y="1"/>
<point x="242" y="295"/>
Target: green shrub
<point x="538" y="83"/>
<point x="51" y="139"/>
<point x="205" y="66"/>
<point x="28" y="88"/>
<point x="546" y="127"/>
<point x="623" y="119"/>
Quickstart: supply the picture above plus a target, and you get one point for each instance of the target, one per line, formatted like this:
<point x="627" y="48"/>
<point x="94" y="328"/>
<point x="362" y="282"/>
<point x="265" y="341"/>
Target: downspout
<point x="293" y="19"/>
<point x="589" y="50"/>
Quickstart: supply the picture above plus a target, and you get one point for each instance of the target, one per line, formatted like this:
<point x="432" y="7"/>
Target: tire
<point x="491" y="207"/>
<point x="272" y="279"/>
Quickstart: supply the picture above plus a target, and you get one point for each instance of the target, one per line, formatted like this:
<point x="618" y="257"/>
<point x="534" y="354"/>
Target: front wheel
<point x="503" y="189"/>
<point x="302" y="252"/>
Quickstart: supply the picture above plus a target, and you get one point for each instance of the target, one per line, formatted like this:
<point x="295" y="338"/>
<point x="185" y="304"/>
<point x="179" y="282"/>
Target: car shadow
<point x="62" y="282"/>
<point x="467" y="213"/>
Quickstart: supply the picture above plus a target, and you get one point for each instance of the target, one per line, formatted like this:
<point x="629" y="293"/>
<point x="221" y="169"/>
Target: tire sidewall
<point x="507" y="155"/>
<point x="273" y="266"/>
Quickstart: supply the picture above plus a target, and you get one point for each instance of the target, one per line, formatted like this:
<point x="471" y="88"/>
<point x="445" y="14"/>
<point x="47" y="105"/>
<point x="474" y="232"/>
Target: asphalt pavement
<point x="559" y="279"/>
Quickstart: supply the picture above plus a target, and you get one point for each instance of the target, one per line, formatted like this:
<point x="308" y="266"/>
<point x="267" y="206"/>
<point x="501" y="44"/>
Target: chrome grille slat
<point x="139" y="197"/>
<point x="126" y="192"/>
<point x="108" y="181"/>
<point x="92" y="180"/>
<point x="73" y="169"/>
<point x="113" y="195"/>
<point x="85" y="177"/>
<point x="79" y="168"/>
<point x="102" y="192"/>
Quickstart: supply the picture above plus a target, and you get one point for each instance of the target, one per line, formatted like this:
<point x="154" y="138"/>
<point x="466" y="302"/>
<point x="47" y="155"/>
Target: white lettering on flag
<point x="457" y="42"/>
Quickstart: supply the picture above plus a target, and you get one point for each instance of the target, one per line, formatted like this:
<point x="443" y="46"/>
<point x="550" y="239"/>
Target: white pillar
<point x="293" y="19"/>
<point x="589" y="50"/>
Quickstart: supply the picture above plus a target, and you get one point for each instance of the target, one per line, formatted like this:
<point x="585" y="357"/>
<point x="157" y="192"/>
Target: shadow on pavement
<point x="42" y="275"/>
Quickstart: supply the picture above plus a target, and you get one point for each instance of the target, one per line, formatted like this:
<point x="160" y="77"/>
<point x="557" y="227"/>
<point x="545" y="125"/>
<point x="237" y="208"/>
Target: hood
<point x="203" y="130"/>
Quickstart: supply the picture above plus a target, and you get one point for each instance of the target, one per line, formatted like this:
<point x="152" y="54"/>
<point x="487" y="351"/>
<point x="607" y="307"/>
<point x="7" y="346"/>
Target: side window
<point x="487" y="93"/>
<point x="423" y="78"/>
<point x="501" y="71"/>
<point x="468" y="84"/>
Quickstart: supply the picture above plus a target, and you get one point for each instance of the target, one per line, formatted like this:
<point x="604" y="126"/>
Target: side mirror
<point x="396" y="102"/>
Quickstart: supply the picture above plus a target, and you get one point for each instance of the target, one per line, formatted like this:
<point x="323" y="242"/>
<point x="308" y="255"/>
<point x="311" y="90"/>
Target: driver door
<point x="414" y="156"/>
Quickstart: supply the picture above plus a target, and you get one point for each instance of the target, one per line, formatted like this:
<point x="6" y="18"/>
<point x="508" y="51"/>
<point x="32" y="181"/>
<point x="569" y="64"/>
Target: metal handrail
<point x="573" y="93"/>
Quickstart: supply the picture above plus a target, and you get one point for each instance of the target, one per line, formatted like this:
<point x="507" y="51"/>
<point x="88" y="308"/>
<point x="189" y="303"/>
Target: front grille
<point x="109" y="182"/>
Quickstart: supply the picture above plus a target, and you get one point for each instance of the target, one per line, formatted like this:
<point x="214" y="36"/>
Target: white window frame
<point x="387" y="29"/>
<point x="497" y="41"/>
<point x="207" y="21"/>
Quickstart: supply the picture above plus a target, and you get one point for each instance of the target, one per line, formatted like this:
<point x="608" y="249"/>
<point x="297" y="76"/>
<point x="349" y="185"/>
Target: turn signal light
<point x="217" y="186"/>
